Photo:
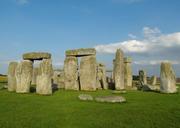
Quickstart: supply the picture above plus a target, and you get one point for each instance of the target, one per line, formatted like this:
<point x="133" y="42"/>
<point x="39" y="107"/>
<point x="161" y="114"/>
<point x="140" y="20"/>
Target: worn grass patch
<point x="64" y="110"/>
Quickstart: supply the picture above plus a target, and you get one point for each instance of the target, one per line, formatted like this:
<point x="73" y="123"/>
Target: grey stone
<point x="153" y="80"/>
<point x="127" y="72"/>
<point x="167" y="78"/>
<point x="71" y="73"/>
<point x="34" y="76"/>
<point x="142" y="77"/>
<point x="44" y="78"/>
<point x="85" y="97"/>
<point x="119" y="92"/>
<point x="88" y="73"/>
<point x="119" y="70"/>
<point x="36" y="56"/>
<point x="101" y="77"/>
<point x="81" y="52"/>
<point x="58" y="79"/>
<point x="23" y="75"/>
<point x="11" y="76"/>
<point x="147" y="87"/>
<point x="111" y="99"/>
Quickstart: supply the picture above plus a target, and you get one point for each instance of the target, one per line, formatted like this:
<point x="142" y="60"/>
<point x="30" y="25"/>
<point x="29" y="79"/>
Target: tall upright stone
<point x="34" y="76"/>
<point x="119" y="70"/>
<point x="11" y="76"/>
<point x="167" y="78"/>
<point x="23" y="75"/>
<point x="153" y="80"/>
<point x="88" y="73"/>
<point x="44" y="77"/>
<point x="142" y="77"/>
<point x="127" y="72"/>
<point x="101" y="76"/>
<point x="71" y="73"/>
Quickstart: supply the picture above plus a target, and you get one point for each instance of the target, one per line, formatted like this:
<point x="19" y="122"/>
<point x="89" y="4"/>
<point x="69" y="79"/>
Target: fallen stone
<point x="111" y="99"/>
<point x="36" y="56"/>
<point x="11" y="76"/>
<point x="81" y="52"/>
<point x="167" y="78"/>
<point x="85" y="97"/>
<point x="119" y="92"/>
<point x="148" y="87"/>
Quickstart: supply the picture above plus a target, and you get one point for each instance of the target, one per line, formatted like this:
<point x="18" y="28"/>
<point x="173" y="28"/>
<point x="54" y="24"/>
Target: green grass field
<point x="64" y="110"/>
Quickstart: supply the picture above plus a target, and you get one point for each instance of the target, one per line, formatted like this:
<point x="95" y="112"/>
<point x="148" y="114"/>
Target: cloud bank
<point x="154" y="48"/>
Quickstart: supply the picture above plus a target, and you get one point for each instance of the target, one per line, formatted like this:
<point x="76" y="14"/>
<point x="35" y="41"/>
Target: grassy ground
<point x="64" y="110"/>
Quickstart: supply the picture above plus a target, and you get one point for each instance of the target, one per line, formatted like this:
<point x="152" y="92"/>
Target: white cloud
<point x="153" y="42"/>
<point x="155" y="62"/>
<point x="22" y="2"/>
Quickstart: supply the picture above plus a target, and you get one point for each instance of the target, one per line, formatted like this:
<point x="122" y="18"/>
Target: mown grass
<point x="64" y="110"/>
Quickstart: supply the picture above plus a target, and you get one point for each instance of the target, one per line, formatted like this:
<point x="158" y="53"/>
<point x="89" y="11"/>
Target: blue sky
<point x="147" y="30"/>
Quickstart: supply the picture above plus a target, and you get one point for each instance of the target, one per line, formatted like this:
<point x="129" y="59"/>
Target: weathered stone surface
<point x="81" y="52"/>
<point x="44" y="78"/>
<point x="111" y="99"/>
<point x="23" y="75"/>
<point x="11" y="76"/>
<point x="34" y="76"/>
<point x="58" y="79"/>
<point x="153" y="80"/>
<point x="147" y="87"/>
<point x="85" y="97"/>
<point x="71" y="73"/>
<point x="88" y="73"/>
<point x="36" y="56"/>
<point x="101" y="77"/>
<point x="142" y="77"/>
<point x="167" y="78"/>
<point x="127" y="72"/>
<point x="119" y="92"/>
<point x="119" y="70"/>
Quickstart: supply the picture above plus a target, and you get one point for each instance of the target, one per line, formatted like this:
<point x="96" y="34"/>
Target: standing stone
<point x="34" y="76"/>
<point x="58" y="79"/>
<point x="23" y="75"/>
<point x="167" y="78"/>
<point x="153" y="80"/>
<point x="142" y="77"/>
<point x="88" y="73"/>
<point x="101" y="76"/>
<point x="71" y="73"/>
<point x="44" y="77"/>
<point x="11" y="76"/>
<point x="127" y="72"/>
<point x="119" y="70"/>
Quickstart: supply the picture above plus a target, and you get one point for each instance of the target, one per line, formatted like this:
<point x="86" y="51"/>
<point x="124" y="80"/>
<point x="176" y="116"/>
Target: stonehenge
<point x="167" y="78"/>
<point x="22" y="75"/>
<point x="119" y="70"/>
<point x="81" y="71"/>
<point x="83" y="76"/>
